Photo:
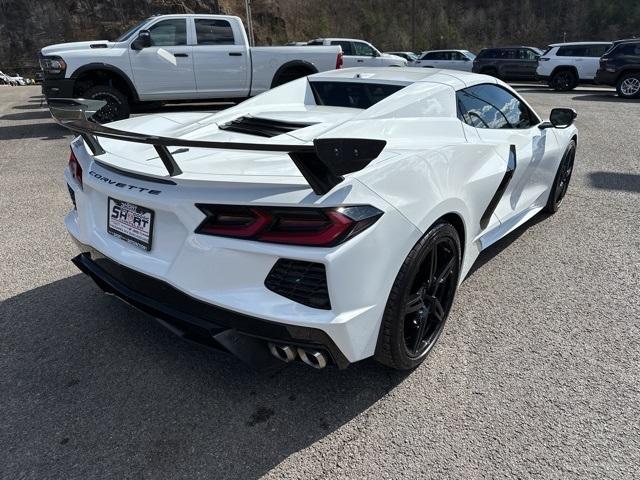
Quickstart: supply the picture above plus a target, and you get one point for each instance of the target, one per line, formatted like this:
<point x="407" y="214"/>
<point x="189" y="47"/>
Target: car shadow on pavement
<point x="44" y="131"/>
<point x="93" y="386"/>
<point x="628" y="182"/>
<point x="30" y="115"/>
<point x="605" y="97"/>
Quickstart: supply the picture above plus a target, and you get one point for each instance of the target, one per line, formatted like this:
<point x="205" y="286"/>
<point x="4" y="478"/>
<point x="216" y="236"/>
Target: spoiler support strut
<point x="322" y="164"/>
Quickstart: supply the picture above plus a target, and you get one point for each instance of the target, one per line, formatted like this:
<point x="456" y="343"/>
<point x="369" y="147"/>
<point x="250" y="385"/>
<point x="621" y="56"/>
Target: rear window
<point x="351" y="94"/>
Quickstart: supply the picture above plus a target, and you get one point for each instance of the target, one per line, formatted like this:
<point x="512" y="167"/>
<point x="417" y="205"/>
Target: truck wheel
<point x="563" y="80"/>
<point x="117" y="107"/>
<point x="289" y="74"/>
<point x="629" y="85"/>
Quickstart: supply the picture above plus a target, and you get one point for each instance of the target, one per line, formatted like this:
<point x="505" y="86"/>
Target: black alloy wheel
<point x="421" y="299"/>
<point x="563" y="80"/>
<point x="562" y="179"/>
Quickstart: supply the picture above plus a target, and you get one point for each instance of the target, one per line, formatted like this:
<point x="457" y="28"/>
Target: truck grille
<point x="262" y="127"/>
<point x="302" y="282"/>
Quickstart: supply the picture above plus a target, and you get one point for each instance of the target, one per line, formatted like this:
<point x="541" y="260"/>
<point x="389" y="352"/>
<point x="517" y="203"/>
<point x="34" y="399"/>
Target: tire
<point x="628" y="85"/>
<point x="117" y="107"/>
<point x="290" y="74"/>
<point x="561" y="180"/>
<point x="420" y="299"/>
<point x="563" y="80"/>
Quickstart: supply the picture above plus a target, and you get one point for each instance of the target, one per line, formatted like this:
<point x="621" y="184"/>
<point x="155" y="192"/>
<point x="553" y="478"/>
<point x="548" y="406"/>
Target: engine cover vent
<point x="262" y="127"/>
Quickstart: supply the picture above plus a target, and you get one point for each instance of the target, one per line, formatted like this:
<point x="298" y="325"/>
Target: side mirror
<point x="560" y="118"/>
<point x="142" y="41"/>
<point x="374" y="53"/>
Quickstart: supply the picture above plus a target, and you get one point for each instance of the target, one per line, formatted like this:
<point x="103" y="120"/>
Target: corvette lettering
<point x="125" y="186"/>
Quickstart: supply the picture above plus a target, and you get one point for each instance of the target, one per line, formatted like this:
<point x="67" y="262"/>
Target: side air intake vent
<point x="302" y="282"/>
<point x="262" y="127"/>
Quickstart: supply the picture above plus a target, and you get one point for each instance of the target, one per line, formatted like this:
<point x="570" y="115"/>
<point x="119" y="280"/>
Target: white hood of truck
<point x="66" y="47"/>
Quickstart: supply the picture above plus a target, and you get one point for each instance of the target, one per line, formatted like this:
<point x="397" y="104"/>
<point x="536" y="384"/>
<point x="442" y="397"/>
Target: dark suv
<point x="508" y="63"/>
<point x="620" y="67"/>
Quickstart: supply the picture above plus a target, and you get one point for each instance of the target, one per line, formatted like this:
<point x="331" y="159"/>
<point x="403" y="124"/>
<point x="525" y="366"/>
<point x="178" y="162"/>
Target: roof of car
<point x="627" y="40"/>
<point x="403" y="75"/>
<point x="568" y="44"/>
<point x="509" y="46"/>
<point x="339" y="39"/>
<point x="447" y="50"/>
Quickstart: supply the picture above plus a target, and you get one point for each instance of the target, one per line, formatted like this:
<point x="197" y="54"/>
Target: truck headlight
<point x="53" y="65"/>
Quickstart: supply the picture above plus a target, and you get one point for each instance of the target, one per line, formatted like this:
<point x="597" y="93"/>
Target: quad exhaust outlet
<point x="313" y="358"/>
<point x="287" y="354"/>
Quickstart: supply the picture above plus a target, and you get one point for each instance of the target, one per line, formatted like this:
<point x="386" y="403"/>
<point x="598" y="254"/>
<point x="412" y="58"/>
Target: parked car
<point x="176" y="57"/>
<point x="327" y="221"/>
<point x="565" y="65"/>
<point x="451" y="59"/>
<point x="14" y="79"/>
<point x="620" y="67"/>
<point x="510" y="63"/>
<point x="410" y="57"/>
<point x="358" y="53"/>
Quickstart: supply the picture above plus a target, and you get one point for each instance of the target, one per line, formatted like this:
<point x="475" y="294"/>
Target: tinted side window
<point x="596" y="50"/>
<point x="457" y="56"/>
<point x="489" y="106"/>
<point x="214" y="32"/>
<point x="430" y="56"/>
<point x="572" y="51"/>
<point x="346" y="46"/>
<point x="488" y="53"/>
<point x="168" y="33"/>
<point x="363" y="49"/>
<point x="628" y="49"/>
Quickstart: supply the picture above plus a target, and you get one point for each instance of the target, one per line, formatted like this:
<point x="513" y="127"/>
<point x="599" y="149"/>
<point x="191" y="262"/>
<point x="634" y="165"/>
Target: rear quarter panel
<point x="426" y="184"/>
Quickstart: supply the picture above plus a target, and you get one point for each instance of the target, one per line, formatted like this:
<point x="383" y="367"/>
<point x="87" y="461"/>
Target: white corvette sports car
<point x="328" y="220"/>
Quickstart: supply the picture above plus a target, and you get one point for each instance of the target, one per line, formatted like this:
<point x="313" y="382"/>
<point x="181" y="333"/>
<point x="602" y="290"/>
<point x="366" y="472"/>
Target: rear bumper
<point x="606" y="78"/>
<point x="58" y="87"/>
<point x="194" y="319"/>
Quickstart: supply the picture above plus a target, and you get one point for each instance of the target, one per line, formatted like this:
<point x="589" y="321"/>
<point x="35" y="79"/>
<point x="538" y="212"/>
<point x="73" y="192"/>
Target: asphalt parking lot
<point x="536" y="376"/>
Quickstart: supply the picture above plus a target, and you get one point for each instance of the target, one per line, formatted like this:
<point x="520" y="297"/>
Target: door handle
<point x="360" y="61"/>
<point x="181" y="55"/>
<point x="235" y="54"/>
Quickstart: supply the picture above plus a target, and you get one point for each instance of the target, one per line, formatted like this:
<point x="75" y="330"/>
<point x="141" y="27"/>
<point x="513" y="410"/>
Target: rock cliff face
<point x="28" y="25"/>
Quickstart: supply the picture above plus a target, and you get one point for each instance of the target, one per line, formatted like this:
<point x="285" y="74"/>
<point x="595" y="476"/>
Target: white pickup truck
<point x="176" y="57"/>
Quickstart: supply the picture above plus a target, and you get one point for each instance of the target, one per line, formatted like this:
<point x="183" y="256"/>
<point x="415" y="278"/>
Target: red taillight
<point x="322" y="227"/>
<point x="75" y="168"/>
<point x="339" y="60"/>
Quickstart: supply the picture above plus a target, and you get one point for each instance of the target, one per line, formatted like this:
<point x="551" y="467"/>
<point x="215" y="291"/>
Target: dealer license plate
<point x="131" y="223"/>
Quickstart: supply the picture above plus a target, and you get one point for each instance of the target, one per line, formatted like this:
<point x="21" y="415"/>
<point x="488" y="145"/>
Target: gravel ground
<point x="536" y="376"/>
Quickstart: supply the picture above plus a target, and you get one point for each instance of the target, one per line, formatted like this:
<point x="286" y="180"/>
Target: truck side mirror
<point x="560" y="118"/>
<point x="142" y="41"/>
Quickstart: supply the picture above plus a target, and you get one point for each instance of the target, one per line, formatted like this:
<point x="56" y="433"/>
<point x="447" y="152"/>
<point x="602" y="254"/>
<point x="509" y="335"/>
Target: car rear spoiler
<point x="322" y="164"/>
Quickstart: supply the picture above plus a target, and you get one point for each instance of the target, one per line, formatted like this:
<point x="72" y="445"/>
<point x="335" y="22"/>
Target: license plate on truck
<point x="131" y="223"/>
